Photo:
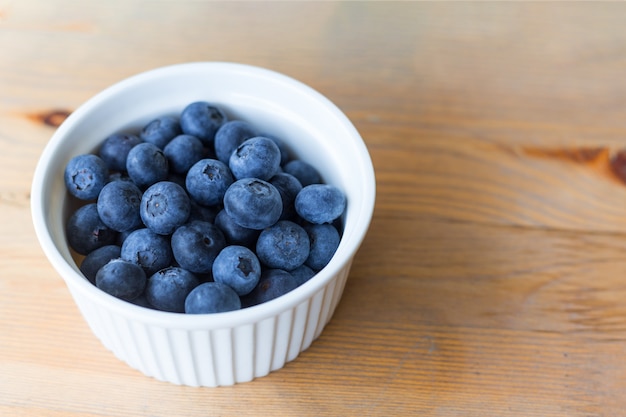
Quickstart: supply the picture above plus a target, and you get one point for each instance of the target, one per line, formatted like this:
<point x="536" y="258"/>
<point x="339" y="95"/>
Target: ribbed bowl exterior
<point x="215" y="357"/>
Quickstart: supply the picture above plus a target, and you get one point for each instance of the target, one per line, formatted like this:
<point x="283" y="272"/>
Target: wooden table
<point x="493" y="279"/>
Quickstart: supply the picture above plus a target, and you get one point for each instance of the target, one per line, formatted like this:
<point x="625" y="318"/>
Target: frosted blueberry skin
<point x="164" y="207"/>
<point x="302" y="274"/>
<point x="230" y="135"/>
<point x="235" y="234"/>
<point x="303" y="171"/>
<point x="195" y="246"/>
<point x="86" y="232"/>
<point x="182" y="152"/>
<point x="238" y="267"/>
<point x="272" y="284"/>
<point x="118" y="205"/>
<point x="208" y="180"/>
<point x="121" y="236"/>
<point x="203" y="213"/>
<point x="202" y="120"/>
<point x="141" y="301"/>
<point x="96" y="259"/>
<point x="85" y="175"/>
<point x="177" y="178"/>
<point x="284" y="150"/>
<point x="212" y="297"/>
<point x="114" y="150"/>
<point x="284" y="245"/>
<point x="147" y="164"/>
<point x="324" y="240"/>
<point x="253" y="203"/>
<point x="168" y="288"/>
<point x="147" y="249"/>
<point x="320" y="203"/>
<point x="121" y="279"/>
<point x="161" y="131"/>
<point x="257" y="157"/>
<point x="288" y="186"/>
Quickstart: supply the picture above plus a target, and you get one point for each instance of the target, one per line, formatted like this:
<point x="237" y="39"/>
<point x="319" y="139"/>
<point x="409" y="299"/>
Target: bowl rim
<point x="77" y="282"/>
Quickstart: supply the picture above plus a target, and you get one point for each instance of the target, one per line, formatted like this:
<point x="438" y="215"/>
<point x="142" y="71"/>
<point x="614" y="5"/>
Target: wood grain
<point x="493" y="278"/>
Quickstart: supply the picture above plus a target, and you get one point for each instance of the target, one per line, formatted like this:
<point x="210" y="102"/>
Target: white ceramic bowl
<point x="226" y="348"/>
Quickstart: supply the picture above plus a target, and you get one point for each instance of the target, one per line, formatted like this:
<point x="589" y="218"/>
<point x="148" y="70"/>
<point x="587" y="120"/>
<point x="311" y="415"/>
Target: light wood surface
<point x="493" y="279"/>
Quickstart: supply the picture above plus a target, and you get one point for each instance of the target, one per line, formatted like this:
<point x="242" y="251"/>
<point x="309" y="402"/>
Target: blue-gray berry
<point x="161" y="131"/>
<point x="238" y="267"/>
<point x="202" y="120"/>
<point x="147" y="164"/>
<point x="257" y="157"/>
<point x="324" y="240"/>
<point x="114" y="150"/>
<point x="96" y="259"/>
<point x="284" y="245"/>
<point x="168" y="288"/>
<point x="230" y="135"/>
<point x="85" y="175"/>
<point x="253" y="203"/>
<point x="320" y="203"/>
<point x="195" y="246"/>
<point x="86" y="231"/>
<point x="208" y="180"/>
<point x="121" y="279"/>
<point x="272" y="284"/>
<point x="164" y="207"/>
<point x="118" y="205"/>
<point x="147" y="249"/>
<point x="212" y="297"/>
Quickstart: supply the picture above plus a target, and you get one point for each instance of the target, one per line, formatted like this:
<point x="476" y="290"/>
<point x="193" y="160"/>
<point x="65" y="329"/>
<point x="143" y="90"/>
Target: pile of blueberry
<point x="200" y="214"/>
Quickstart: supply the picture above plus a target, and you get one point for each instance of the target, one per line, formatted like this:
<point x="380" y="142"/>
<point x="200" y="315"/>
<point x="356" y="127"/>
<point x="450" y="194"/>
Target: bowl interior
<point x="312" y="127"/>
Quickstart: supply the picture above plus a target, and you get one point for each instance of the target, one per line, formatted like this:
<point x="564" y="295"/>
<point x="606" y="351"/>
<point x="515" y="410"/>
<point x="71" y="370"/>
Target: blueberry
<point x="114" y="150"/>
<point x="147" y="164"/>
<point x="195" y="246"/>
<point x="303" y="171"/>
<point x="147" y="249"/>
<point x="141" y="301"/>
<point x="118" y="176"/>
<point x="284" y="150"/>
<point x="202" y="119"/>
<point x="272" y="284"/>
<point x="203" y="213"/>
<point x="320" y="203"/>
<point x="235" y="234"/>
<point x="85" y="175"/>
<point x="121" y="279"/>
<point x="302" y="274"/>
<point x="168" y="288"/>
<point x="230" y="135"/>
<point x="288" y="186"/>
<point x="182" y="152"/>
<point x="96" y="259"/>
<point x="86" y="231"/>
<point x="285" y="245"/>
<point x="212" y="297"/>
<point x="177" y="178"/>
<point x="161" y="131"/>
<point x="164" y="207"/>
<point x="118" y="205"/>
<point x="208" y="180"/>
<point x="253" y="203"/>
<point x="121" y="236"/>
<point x="324" y="240"/>
<point x="238" y="267"/>
<point x="257" y="157"/>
